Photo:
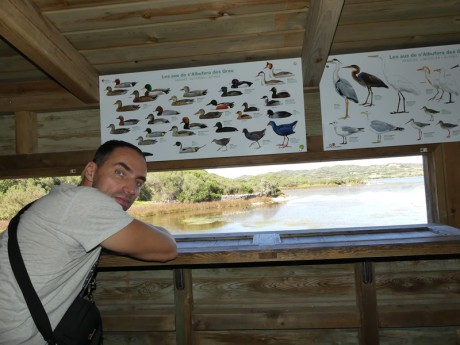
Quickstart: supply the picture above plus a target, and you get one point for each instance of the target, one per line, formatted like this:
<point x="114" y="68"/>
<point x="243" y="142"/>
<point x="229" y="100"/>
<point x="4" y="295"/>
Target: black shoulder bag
<point x="80" y="325"/>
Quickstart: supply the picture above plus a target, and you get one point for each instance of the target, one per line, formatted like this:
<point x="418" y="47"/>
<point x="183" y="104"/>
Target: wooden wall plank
<point x="136" y="300"/>
<point x="418" y="293"/>
<point x="26" y="132"/>
<point x="276" y="297"/>
<point x="69" y="131"/>
<point x="420" y="336"/>
<point x="291" y="337"/>
<point x="7" y="135"/>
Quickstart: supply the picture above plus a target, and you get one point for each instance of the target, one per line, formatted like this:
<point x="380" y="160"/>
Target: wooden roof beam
<point x="22" y="25"/>
<point x="322" y="20"/>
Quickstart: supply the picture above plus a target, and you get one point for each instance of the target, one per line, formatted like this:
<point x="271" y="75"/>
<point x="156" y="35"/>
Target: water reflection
<point x="383" y="202"/>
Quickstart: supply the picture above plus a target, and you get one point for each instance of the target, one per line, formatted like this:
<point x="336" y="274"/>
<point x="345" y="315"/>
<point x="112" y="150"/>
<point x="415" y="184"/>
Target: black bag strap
<point x="20" y="272"/>
<point x="30" y="295"/>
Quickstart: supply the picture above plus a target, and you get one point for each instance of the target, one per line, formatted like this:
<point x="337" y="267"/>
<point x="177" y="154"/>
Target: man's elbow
<point x="164" y="256"/>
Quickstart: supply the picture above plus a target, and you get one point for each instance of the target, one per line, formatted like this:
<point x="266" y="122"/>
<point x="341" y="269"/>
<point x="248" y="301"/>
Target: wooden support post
<point x="183" y="297"/>
<point x="366" y="299"/>
<point x="26" y="132"/>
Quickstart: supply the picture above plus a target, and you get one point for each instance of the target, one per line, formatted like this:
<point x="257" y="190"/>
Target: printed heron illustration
<point x="400" y="84"/>
<point x="431" y="80"/>
<point x="367" y="80"/>
<point x="343" y="87"/>
<point x="448" y="84"/>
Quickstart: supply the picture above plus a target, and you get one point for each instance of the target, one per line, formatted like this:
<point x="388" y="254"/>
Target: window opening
<point x="387" y="191"/>
<point x="393" y="193"/>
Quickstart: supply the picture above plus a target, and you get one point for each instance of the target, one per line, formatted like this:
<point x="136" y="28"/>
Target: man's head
<point x="119" y="170"/>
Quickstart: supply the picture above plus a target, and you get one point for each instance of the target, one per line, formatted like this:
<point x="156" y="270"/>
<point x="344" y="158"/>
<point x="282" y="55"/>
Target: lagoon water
<point x="399" y="201"/>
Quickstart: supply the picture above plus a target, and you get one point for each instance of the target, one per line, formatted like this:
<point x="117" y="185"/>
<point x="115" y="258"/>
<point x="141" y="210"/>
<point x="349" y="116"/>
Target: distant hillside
<point x="335" y="175"/>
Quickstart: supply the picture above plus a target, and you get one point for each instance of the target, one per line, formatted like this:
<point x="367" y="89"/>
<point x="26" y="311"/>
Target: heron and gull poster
<point x="391" y="98"/>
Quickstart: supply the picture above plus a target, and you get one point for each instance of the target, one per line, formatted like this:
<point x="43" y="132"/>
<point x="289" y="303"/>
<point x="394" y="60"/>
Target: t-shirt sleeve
<point x="96" y="217"/>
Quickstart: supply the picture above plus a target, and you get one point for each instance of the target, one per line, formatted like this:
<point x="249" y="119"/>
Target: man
<point x="61" y="235"/>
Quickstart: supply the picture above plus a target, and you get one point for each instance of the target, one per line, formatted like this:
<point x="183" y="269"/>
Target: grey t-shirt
<point x="59" y="237"/>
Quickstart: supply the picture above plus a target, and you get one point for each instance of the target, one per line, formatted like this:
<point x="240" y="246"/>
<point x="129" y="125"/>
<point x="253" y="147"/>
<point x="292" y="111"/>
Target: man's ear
<point x="89" y="172"/>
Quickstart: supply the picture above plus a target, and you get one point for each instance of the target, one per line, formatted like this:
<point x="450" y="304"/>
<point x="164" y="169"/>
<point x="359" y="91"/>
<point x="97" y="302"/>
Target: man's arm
<point x="143" y="241"/>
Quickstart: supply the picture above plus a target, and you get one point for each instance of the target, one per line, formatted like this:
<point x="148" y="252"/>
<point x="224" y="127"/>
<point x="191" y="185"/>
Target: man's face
<point x="121" y="176"/>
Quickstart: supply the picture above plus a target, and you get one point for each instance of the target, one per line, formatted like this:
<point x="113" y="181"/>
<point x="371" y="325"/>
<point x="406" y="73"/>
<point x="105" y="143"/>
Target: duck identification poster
<point x="391" y="98"/>
<point x="243" y="109"/>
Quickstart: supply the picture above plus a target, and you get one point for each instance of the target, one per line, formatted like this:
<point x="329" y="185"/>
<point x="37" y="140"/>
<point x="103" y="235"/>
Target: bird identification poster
<point x="243" y="109"/>
<point x="391" y="98"/>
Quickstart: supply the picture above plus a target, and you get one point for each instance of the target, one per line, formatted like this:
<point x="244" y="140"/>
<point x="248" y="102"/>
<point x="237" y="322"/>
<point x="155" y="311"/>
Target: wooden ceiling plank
<point x="134" y="13"/>
<point x="322" y="20"/>
<point x="22" y="25"/>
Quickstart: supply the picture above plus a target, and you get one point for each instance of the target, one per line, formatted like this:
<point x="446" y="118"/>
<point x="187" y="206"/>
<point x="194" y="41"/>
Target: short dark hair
<point x="106" y="149"/>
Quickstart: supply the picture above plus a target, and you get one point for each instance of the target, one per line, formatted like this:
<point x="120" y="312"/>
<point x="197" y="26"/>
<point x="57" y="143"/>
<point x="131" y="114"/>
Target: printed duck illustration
<point x="208" y="115"/>
<point x="281" y="94"/>
<point x="146" y="98"/>
<point x="237" y="83"/>
<point x="154" y="134"/>
<point x="155" y="92"/>
<point x="130" y="122"/>
<point x="160" y="111"/>
<point x="123" y="108"/>
<point x="187" y="149"/>
<point x="284" y="130"/>
<point x="180" y="133"/>
<point x="152" y="120"/>
<point x="280" y="74"/>
<point x="254" y="136"/>
<point x="126" y="84"/>
<point x="221" y="105"/>
<point x="226" y="93"/>
<point x="111" y="92"/>
<point x="142" y="141"/>
<point x="242" y="116"/>
<point x="178" y="102"/>
<point x="193" y="125"/>
<point x="221" y="128"/>
<point x="270" y="102"/>
<point x="114" y="130"/>
<point x="264" y="81"/>
<point x="193" y="93"/>
<point x="278" y="114"/>
<point x="249" y="108"/>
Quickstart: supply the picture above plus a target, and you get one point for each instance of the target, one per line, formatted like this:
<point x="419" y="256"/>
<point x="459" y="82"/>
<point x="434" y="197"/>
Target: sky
<point x="256" y="170"/>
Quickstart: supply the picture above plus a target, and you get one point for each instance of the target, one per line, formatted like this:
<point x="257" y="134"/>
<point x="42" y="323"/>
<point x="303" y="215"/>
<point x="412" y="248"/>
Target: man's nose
<point x="130" y="187"/>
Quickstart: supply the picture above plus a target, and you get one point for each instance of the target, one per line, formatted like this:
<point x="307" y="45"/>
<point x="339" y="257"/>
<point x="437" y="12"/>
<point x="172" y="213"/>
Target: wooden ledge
<point x="306" y="245"/>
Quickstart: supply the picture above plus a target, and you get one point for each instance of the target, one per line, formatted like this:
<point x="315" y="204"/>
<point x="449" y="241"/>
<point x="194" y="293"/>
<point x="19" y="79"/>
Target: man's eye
<point x="140" y="184"/>
<point x="119" y="172"/>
